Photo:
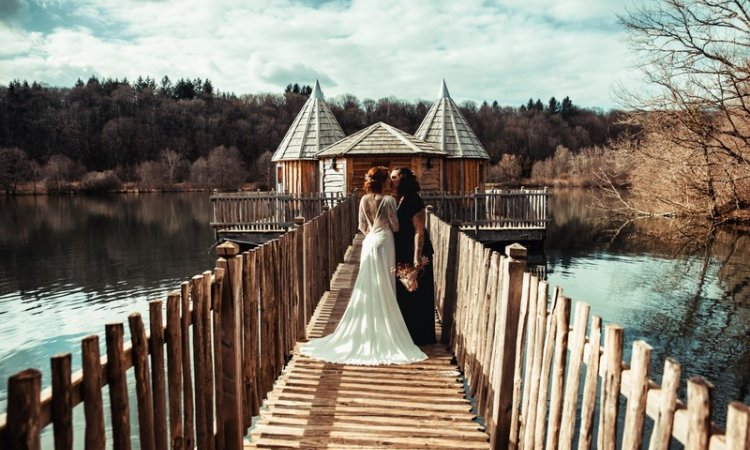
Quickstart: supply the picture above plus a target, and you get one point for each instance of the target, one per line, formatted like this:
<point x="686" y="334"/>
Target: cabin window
<point x="279" y="174"/>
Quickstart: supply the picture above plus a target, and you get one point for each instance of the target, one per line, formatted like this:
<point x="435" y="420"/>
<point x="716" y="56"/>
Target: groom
<point x="412" y="244"/>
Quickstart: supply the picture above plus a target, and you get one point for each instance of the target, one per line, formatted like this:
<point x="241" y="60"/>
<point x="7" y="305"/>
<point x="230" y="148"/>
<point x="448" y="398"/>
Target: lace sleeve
<point x="391" y="212"/>
<point x="362" y="219"/>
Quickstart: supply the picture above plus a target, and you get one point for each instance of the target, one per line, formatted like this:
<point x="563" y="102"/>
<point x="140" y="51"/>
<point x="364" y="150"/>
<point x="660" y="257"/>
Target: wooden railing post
<point x="301" y="270"/>
<point x="24" y="411"/>
<point x="231" y="413"/>
<point x="158" y="380"/>
<point x="450" y="288"/>
<point x="118" y="386"/>
<point x="93" y="406"/>
<point x="62" y="405"/>
<point x="143" y="393"/>
<point x="506" y="345"/>
<point x="174" y="371"/>
<point x="325" y="244"/>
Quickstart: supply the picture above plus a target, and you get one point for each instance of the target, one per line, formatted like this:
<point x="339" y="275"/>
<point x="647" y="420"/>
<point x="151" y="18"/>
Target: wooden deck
<point x="322" y="405"/>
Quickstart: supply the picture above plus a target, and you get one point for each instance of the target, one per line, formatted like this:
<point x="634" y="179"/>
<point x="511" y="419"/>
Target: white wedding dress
<point x="372" y="330"/>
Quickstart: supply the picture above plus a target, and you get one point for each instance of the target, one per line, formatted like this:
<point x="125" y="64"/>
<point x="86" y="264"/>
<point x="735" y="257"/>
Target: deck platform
<point x="322" y="405"/>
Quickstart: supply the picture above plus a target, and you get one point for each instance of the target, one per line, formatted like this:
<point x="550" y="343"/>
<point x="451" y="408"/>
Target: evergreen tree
<point x="552" y="106"/>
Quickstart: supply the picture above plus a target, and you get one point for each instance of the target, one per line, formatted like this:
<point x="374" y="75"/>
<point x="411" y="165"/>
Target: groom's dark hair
<point x="407" y="183"/>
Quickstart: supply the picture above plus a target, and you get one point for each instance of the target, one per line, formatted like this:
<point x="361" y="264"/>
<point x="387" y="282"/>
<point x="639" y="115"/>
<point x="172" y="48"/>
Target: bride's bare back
<point x="377" y="212"/>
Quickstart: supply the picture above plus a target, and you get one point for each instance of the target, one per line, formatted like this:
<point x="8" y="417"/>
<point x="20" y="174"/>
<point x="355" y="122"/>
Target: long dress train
<point x="371" y="331"/>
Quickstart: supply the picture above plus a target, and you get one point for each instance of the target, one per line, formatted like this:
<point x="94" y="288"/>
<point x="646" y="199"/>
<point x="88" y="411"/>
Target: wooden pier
<point x="223" y="371"/>
<point x="323" y="405"/>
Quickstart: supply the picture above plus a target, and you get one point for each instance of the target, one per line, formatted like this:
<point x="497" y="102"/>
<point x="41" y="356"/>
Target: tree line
<point x="154" y="132"/>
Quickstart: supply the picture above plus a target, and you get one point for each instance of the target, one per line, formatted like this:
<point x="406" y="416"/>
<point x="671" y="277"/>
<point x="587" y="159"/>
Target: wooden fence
<point x="494" y="208"/>
<point x="244" y="319"/>
<point x="266" y="211"/>
<point x="528" y="368"/>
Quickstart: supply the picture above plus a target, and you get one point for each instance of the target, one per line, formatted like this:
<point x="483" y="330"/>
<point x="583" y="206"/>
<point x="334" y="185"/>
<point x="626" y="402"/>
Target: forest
<point x="101" y="133"/>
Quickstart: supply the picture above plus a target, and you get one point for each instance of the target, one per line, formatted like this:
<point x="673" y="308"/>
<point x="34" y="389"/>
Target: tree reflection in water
<point x="680" y="286"/>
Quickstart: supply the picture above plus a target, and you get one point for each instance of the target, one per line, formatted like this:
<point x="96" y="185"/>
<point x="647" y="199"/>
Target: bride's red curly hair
<point x="375" y="180"/>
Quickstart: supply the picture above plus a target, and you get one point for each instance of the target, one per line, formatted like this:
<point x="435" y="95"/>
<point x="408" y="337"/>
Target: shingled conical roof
<point x="445" y="127"/>
<point x="381" y="139"/>
<point x="313" y="129"/>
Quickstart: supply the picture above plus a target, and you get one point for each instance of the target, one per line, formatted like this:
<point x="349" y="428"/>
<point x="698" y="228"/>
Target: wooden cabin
<point x="314" y="128"/>
<point x="466" y="159"/>
<point x="344" y="164"/>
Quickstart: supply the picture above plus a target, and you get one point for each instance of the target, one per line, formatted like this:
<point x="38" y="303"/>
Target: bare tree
<point x="693" y="157"/>
<point x="507" y="171"/>
<point x="150" y="175"/>
<point x="226" y="169"/>
<point x="199" y="173"/>
<point x="59" y="172"/>
<point x="171" y="162"/>
<point x="262" y="170"/>
<point x="15" y="167"/>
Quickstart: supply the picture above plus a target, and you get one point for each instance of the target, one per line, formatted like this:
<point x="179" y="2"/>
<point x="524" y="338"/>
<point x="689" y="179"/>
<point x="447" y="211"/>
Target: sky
<point x="507" y="50"/>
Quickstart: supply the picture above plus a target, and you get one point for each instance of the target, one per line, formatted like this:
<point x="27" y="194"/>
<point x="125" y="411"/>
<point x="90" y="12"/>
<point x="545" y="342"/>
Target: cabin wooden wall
<point x="297" y="177"/>
<point x="463" y="175"/>
<point x="429" y="177"/>
<point x="333" y="179"/>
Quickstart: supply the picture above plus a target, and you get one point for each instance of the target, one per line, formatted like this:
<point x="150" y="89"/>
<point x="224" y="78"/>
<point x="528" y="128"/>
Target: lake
<point x="68" y="265"/>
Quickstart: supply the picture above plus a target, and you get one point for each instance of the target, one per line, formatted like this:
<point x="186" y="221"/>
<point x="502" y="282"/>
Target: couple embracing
<point x="385" y="320"/>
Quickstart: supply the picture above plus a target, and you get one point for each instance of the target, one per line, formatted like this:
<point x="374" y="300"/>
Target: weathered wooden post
<point x="250" y="350"/>
<point x="158" y="379"/>
<point x="510" y="308"/>
<point x="231" y="414"/>
<point x="451" y="287"/>
<point x="24" y="411"/>
<point x="92" y="393"/>
<point x="325" y="244"/>
<point x="611" y="381"/>
<point x="186" y="319"/>
<point x="118" y="387"/>
<point x="699" y="413"/>
<point x="174" y="370"/>
<point x="62" y="405"/>
<point x="738" y="426"/>
<point x="143" y="391"/>
<point x="299" y="258"/>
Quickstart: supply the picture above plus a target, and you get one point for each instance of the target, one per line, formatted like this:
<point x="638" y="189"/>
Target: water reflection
<point x="683" y="290"/>
<point x="68" y="265"/>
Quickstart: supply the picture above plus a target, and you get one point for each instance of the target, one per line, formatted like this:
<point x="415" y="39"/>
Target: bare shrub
<point x="262" y="171"/>
<point x="507" y="171"/>
<point x="60" y="172"/>
<point x="106" y="181"/>
<point x="15" y="167"/>
<point x="226" y="169"/>
<point x="199" y="173"/>
<point x="150" y="175"/>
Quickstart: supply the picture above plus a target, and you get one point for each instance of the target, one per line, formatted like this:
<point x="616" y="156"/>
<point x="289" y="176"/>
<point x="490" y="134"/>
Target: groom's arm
<point x="418" y="220"/>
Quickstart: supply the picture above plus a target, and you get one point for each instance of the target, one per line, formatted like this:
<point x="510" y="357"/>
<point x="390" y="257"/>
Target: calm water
<point x="689" y="300"/>
<point x="68" y="265"/>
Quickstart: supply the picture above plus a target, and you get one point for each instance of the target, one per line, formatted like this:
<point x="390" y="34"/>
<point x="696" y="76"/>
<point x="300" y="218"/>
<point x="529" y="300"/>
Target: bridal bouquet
<point x="406" y="272"/>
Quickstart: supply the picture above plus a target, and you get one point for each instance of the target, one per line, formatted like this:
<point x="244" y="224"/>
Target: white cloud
<point x="372" y="49"/>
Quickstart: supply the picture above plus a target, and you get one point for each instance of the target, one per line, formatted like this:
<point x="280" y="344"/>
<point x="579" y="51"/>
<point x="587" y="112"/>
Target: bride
<point x="372" y="330"/>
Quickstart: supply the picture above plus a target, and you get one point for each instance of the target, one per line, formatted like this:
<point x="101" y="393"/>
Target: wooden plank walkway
<point x="322" y="405"/>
